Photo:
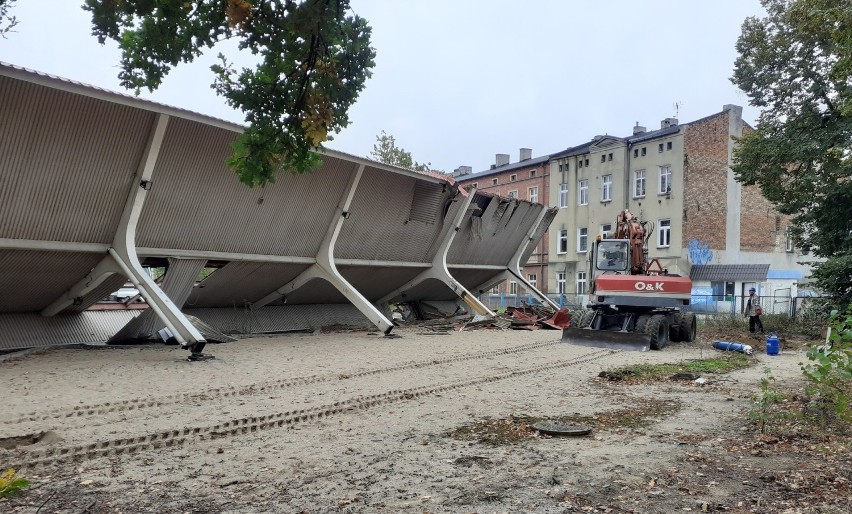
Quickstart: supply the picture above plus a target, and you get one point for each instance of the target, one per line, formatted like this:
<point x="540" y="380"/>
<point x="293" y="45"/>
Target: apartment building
<point x="527" y="179"/>
<point x="725" y="236"/>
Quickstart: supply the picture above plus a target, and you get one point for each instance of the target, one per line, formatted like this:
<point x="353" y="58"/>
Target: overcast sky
<point x="457" y="82"/>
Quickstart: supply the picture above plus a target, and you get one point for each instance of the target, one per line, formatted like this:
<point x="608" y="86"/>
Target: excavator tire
<point x="658" y="328"/>
<point x="586" y="318"/>
<point x="674" y="328"/>
<point x="687" y="327"/>
<point x="641" y="322"/>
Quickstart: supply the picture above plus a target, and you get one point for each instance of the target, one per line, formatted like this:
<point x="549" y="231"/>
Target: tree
<point x="7" y="22"/>
<point x="795" y="64"/>
<point x="386" y="151"/>
<point x="313" y="60"/>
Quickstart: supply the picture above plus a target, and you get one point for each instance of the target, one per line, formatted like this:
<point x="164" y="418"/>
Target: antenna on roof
<point x="677" y="105"/>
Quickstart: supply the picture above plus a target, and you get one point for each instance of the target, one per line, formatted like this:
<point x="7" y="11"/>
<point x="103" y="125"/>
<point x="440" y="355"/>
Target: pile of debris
<point x="530" y="317"/>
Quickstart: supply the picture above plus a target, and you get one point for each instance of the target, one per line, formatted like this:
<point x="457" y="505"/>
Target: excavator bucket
<point x="615" y="340"/>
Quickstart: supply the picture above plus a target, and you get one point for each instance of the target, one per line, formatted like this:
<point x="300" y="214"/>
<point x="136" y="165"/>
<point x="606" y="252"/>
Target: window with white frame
<point x="493" y="181"/>
<point x="531" y="279"/>
<point x="513" y="178"/>
<point x="582" y="239"/>
<point x="562" y="241"/>
<point x="563" y="195"/>
<point x="581" y="282"/>
<point x="513" y="287"/>
<point x="665" y="180"/>
<point x="606" y="188"/>
<point x="583" y="192"/>
<point x="513" y="194"/>
<point x="639" y="184"/>
<point x="664" y="233"/>
<point x="533" y="173"/>
<point x="533" y="194"/>
<point x="606" y="230"/>
<point x="560" y="283"/>
<point x="495" y="289"/>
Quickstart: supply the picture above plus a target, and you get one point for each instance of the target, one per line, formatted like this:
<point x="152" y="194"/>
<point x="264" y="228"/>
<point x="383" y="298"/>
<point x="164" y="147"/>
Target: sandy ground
<point x="355" y="422"/>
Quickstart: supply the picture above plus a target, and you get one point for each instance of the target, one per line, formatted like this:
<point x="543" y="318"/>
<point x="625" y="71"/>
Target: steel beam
<point x="326" y="269"/>
<point x="124" y="248"/>
<point x="102" y="270"/>
<point x="438" y="270"/>
<point x="514" y="266"/>
<point x="51" y="246"/>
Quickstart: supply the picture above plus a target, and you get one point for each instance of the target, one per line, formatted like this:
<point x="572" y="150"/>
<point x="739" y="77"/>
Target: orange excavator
<point x="634" y="303"/>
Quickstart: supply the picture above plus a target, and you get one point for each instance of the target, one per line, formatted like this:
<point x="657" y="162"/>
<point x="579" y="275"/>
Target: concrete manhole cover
<point x="553" y="428"/>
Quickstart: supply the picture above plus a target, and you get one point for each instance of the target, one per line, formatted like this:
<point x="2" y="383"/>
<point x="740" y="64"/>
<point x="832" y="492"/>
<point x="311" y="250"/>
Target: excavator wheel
<point x="674" y="328"/>
<point x="658" y="328"/>
<point x="687" y="327"/>
<point x="586" y="319"/>
<point x="641" y="322"/>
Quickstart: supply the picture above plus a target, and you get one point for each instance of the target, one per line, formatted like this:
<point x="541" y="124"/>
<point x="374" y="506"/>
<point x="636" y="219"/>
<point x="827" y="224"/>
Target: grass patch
<point x="518" y="428"/>
<point x="657" y="372"/>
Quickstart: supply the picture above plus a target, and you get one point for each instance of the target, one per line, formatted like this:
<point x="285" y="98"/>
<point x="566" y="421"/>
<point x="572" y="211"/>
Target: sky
<point x="457" y="82"/>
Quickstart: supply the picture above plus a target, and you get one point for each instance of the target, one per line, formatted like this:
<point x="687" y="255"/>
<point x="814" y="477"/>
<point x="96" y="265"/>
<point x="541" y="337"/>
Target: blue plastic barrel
<point x="732" y="347"/>
<point x="773" y="344"/>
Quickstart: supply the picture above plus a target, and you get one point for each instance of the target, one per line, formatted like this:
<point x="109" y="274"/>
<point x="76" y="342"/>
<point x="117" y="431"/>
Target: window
<point x="644" y="151"/>
<point x="609" y="157"/>
<point x="531" y="279"/>
<point x="581" y="282"/>
<point x="493" y="181"/>
<point x="533" y="194"/>
<point x="603" y="157"/>
<point x="563" y="195"/>
<point x="560" y="283"/>
<point x="660" y="148"/>
<point x="587" y="162"/>
<point x="606" y="188"/>
<point x="669" y="145"/>
<point x="582" y="192"/>
<point x="474" y="184"/>
<point x="495" y="289"/>
<point x="639" y="184"/>
<point x="665" y="180"/>
<point x="561" y="168"/>
<point x="606" y="230"/>
<point x="513" y="178"/>
<point x="580" y="163"/>
<point x="582" y="239"/>
<point x="562" y="241"/>
<point x="635" y="152"/>
<point x="789" y="244"/>
<point x="513" y="287"/>
<point x="664" y="233"/>
<point x="568" y="166"/>
<point x="532" y="173"/>
<point x="513" y="194"/>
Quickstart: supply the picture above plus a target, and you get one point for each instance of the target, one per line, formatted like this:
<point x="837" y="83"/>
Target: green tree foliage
<point x="7" y="22"/>
<point x="795" y="64"/>
<point x="386" y="151"/>
<point x="313" y="59"/>
<point x="830" y="370"/>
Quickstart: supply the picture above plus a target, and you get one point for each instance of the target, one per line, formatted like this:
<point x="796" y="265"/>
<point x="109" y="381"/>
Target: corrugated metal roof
<point x="31" y="280"/>
<point x="67" y="165"/>
<point x="72" y="155"/>
<point x="29" y="330"/>
<point x="729" y="272"/>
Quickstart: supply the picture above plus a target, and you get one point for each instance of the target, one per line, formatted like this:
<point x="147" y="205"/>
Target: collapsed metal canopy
<point x="92" y="183"/>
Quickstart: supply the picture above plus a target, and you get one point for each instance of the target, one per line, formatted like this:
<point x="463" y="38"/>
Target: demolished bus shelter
<point x="94" y="185"/>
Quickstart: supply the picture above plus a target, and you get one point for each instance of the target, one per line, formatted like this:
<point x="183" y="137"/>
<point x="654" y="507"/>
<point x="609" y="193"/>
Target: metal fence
<point x="700" y="304"/>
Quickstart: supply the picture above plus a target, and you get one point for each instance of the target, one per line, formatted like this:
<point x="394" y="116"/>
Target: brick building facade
<point x="527" y="179"/>
<point x="727" y="236"/>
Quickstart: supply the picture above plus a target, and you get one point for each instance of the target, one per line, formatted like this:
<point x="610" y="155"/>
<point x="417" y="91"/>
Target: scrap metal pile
<point x="529" y="317"/>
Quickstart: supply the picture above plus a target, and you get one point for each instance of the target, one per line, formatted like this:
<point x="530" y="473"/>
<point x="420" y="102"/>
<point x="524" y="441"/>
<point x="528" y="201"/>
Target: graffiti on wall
<point x="699" y="253"/>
